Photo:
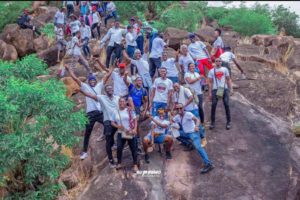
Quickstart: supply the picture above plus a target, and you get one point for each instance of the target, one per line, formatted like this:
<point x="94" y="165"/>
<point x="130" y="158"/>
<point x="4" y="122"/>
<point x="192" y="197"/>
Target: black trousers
<point x="94" y="116"/>
<point x="132" y="145"/>
<point x="117" y="49"/>
<point x="215" y="102"/>
<point x="109" y="132"/>
<point x="200" y="107"/>
<point x="98" y="30"/>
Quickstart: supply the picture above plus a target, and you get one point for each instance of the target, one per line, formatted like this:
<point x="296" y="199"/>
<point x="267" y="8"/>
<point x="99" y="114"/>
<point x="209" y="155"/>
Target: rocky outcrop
<point x="7" y="51"/>
<point x="230" y="38"/>
<point x="206" y="34"/>
<point x="175" y="37"/>
<point x="49" y="55"/>
<point x="44" y="15"/>
<point x="40" y="43"/>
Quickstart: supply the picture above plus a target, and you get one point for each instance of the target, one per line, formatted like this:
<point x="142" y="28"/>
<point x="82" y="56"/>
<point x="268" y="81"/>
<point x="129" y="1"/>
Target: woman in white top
<point x="125" y="121"/>
<point x="96" y="22"/>
<point x="193" y="79"/>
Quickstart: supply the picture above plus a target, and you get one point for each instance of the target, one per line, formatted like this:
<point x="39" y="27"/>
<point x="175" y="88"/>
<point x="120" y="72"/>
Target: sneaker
<point x="168" y="155"/>
<point x="203" y="142"/>
<point x="207" y="168"/>
<point x="228" y="126"/>
<point x="212" y="126"/>
<point x="112" y="164"/>
<point x="147" y="158"/>
<point x="100" y="138"/>
<point x="139" y="151"/>
<point x="135" y="168"/>
<point x="83" y="155"/>
<point x="119" y="166"/>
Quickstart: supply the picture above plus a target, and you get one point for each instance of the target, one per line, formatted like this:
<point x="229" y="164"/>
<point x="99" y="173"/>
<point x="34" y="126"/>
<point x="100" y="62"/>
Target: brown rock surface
<point x="40" y="43"/>
<point x="7" y="51"/>
<point x="49" y="55"/>
<point x="206" y="34"/>
<point x="175" y="37"/>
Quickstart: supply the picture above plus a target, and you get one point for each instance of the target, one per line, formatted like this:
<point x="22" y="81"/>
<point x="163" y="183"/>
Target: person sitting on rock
<point x="218" y="45"/>
<point x="170" y="65"/>
<point x="158" y="135"/>
<point x="220" y="86"/>
<point x="161" y="92"/>
<point x="24" y="21"/>
<point x="126" y="122"/>
<point x="190" y="131"/>
<point x="227" y="57"/>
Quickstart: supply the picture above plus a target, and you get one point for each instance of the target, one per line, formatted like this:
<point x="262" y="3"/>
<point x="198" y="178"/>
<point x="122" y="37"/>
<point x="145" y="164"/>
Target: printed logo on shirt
<point x="219" y="75"/>
<point x="161" y="87"/>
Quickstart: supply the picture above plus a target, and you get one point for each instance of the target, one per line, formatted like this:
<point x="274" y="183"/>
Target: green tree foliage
<point x="284" y="18"/>
<point x="11" y="10"/>
<point x="216" y="13"/>
<point x="48" y="30"/>
<point x="37" y="119"/>
<point x="248" y="22"/>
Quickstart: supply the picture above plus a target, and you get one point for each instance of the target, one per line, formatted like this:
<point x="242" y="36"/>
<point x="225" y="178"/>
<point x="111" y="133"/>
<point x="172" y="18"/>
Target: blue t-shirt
<point x="137" y="95"/>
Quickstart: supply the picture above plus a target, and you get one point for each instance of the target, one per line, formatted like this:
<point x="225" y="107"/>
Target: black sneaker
<point x="147" y="158"/>
<point x="139" y="151"/>
<point x="207" y="168"/>
<point x="228" y="126"/>
<point x="168" y="155"/>
<point x="212" y="126"/>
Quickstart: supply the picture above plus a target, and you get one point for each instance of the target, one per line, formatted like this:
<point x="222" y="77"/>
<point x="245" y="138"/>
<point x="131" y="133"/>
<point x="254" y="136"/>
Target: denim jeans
<point x="130" y="52"/>
<point x="174" y="79"/>
<point x="140" y="43"/>
<point x="112" y="15"/>
<point x="98" y="30"/>
<point x="155" y="63"/>
<point x="196" y="141"/>
<point x="215" y="102"/>
<point x="200" y="107"/>
<point x="85" y="47"/>
<point x="109" y="132"/>
<point x="156" y="106"/>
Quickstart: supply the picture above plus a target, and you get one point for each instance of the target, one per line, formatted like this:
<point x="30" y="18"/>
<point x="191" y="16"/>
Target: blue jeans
<point x="85" y="47"/>
<point x="174" y="79"/>
<point x="140" y="43"/>
<point x="155" y="63"/>
<point x="156" y="106"/>
<point x="195" y="112"/>
<point x="130" y="52"/>
<point x="112" y="15"/>
<point x="196" y="141"/>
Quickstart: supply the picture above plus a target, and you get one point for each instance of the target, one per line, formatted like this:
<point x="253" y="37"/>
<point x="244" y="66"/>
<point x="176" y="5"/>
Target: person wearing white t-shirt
<point x="130" y="39"/>
<point x="193" y="79"/>
<point x="111" y="10"/>
<point x="158" y="135"/>
<point x="190" y="131"/>
<point x="228" y="57"/>
<point x="74" y="24"/>
<point x="85" y="31"/>
<point x="161" y="93"/>
<point x="93" y="107"/>
<point x="157" y="49"/>
<point x="125" y="120"/>
<point x="60" y="39"/>
<point x="96" y="22"/>
<point x="184" y="59"/>
<point x="170" y="65"/>
<point x="60" y="17"/>
<point x="76" y="52"/>
<point x="142" y="67"/>
<point x="219" y="80"/>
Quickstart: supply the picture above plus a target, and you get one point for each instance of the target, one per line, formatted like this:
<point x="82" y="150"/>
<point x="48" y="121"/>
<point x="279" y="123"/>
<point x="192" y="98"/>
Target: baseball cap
<point x="122" y="65"/>
<point x="192" y="35"/>
<point x="92" y="77"/>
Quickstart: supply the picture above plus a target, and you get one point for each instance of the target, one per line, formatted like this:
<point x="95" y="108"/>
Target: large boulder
<point x="175" y="37"/>
<point x="9" y="32"/>
<point x="206" y="34"/>
<point x="40" y="43"/>
<point x="249" y="52"/>
<point x="293" y="61"/>
<point x="44" y="15"/>
<point x="230" y="38"/>
<point x="7" y="51"/>
<point x="49" y="55"/>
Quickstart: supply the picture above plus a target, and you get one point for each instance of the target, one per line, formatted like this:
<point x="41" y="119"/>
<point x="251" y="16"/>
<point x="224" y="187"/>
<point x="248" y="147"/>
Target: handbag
<point x="220" y="90"/>
<point x="123" y="133"/>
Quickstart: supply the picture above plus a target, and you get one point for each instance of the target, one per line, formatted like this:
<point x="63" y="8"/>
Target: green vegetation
<point x="48" y="30"/>
<point x="37" y="120"/>
<point x="11" y="10"/>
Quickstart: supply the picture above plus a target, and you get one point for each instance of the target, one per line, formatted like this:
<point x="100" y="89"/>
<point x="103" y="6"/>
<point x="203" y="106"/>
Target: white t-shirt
<point x="76" y="49"/>
<point x="60" y="17"/>
<point x="109" y="106"/>
<point x="59" y="32"/>
<point x="219" y="73"/>
<point x="125" y="120"/>
<point x="170" y="65"/>
<point x="142" y="66"/>
<point x="110" y="7"/>
<point x="185" y="61"/>
<point x="227" y="56"/>
<point x="74" y="25"/>
<point x="95" y="17"/>
<point x="115" y="35"/>
<point x="91" y="104"/>
<point x="85" y="32"/>
<point x="187" y="94"/>
<point x="158" y="45"/>
<point x="120" y="87"/>
<point x="187" y="122"/>
<point x="218" y="43"/>
<point x="196" y="50"/>
<point x="159" y="129"/>
<point x="196" y="87"/>
<point x="130" y="39"/>
<point x="162" y="87"/>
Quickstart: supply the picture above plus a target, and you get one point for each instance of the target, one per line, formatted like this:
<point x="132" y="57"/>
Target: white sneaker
<point x="100" y="138"/>
<point x="83" y="155"/>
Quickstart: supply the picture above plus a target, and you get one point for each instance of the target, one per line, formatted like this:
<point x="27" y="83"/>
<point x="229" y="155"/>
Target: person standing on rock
<point x="130" y="39"/>
<point x="218" y="45"/>
<point x="110" y="105"/>
<point x="115" y="36"/>
<point x="60" y="17"/>
<point x="93" y="107"/>
<point x="190" y="130"/>
<point x="199" y="53"/>
<point x="170" y="65"/>
<point x="158" y="135"/>
<point x="161" y="93"/>
<point x="157" y="49"/>
<point x="184" y="59"/>
<point x="126" y="122"/>
<point x="85" y="31"/>
<point x="74" y="25"/>
<point x="96" y="22"/>
<point x="60" y="39"/>
<point x="220" y="86"/>
<point x="227" y="57"/>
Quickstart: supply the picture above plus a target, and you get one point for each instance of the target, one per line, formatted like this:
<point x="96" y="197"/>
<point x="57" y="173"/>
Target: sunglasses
<point x="179" y="108"/>
<point x="218" y="61"/>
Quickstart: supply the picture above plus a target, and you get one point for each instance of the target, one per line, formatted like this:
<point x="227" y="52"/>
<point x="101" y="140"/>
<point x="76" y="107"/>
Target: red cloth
<point x="202" y="63"/>
<point x="217" y="54"/>
<point x="68" y="30"/>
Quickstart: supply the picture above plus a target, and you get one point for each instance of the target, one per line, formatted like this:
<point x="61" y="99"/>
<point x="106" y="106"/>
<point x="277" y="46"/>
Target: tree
<point x="284" y="18"/>
<point x="37" y="120"/>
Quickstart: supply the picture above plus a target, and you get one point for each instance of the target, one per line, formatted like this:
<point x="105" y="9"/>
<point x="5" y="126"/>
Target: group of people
<point x="152" y="90"/>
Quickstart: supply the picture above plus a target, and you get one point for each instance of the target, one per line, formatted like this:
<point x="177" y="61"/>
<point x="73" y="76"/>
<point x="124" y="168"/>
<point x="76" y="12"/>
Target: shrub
<point x="11" y="10"/>
<point x="216" y="13"/>
<point x="48" y="30"/>
<point x="248" y="22"/>
<point x="37" y="119"/>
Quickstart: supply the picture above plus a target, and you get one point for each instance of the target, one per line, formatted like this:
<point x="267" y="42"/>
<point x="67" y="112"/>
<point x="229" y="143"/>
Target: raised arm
<point x="238" y="66"/>
<point x="73" y="76"/>
<point x="107" y="76"/>
<point x="125" y="79"/>
<point x="89" y="95"/>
